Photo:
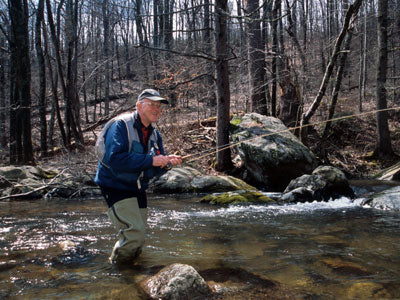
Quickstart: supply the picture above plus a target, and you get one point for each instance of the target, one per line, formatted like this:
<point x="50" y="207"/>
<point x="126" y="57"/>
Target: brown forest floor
<point x="189" y="132"/>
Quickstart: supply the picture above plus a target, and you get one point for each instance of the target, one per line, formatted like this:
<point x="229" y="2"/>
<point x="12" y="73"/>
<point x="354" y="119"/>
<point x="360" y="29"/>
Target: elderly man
<point x="132" y="155"/>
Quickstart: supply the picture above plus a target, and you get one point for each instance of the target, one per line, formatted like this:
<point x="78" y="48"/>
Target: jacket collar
<point x="138" y="124"/>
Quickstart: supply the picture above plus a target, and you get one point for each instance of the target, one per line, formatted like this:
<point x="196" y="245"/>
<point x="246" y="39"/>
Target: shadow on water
<point x="331" y="250"/>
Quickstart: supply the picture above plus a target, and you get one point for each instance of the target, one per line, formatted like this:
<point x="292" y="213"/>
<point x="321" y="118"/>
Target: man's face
<point x="149" y="111"/>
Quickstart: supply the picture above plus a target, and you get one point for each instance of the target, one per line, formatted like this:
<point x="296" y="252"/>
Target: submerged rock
<point x="177" y="281"/>
<point x="73" y="255"/>
<point x="368" y="290"/>
<point x="275" y="157"/>
<point x="237" y="197"/>
<point x="343" y="267"/>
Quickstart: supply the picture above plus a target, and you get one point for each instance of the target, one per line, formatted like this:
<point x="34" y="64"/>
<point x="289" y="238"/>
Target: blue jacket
<point x="121" y="169"/>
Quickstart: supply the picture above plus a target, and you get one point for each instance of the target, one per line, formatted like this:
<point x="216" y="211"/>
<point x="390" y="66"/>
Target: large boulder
<point x="177" y="281"/>
<point x="274" y="158"/>
<point x="324" y="183"/>
<point x="187" y="179"/>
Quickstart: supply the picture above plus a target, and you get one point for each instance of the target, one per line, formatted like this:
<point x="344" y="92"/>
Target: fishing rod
<point x="230" y="145"/>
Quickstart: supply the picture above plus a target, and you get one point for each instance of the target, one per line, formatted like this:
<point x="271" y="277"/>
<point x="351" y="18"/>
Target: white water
<point x="266" y="210"/>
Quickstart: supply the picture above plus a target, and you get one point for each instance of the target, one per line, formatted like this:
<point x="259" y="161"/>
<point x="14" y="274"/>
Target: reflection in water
<point x="59" y="249"/>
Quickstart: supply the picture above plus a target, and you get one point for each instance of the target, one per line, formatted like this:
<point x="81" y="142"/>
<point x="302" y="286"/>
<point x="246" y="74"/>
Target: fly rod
<point x="188" y="158"/>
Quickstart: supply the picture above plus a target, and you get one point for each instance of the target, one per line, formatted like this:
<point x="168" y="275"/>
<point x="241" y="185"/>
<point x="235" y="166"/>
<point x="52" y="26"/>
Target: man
<point x="133" y="154"/>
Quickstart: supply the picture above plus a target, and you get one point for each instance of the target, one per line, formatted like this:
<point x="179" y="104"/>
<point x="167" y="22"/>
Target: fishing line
<point x="230" y="145"/>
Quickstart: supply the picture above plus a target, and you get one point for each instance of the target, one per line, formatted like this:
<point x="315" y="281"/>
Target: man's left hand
<point x="175" y="159"/>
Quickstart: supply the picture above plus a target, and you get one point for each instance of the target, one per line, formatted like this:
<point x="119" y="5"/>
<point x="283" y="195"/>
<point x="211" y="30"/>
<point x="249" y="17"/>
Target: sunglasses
<point x="155" y="105"/>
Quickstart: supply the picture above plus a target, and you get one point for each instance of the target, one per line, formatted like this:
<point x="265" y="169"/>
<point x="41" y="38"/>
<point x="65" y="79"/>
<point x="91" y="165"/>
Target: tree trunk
<point x="21" y="150"/>
<point x="211" y="97"/>
<point x="55" y="104"/>
<point x="60" y="71"/>
<point x="224" y="161"/>
<point x="42" y="79"/>
<point x="339" y="77"/>
<point x="383" y="146"/>
<point x="256" y="59"/>
<point x="275" y="50"/>
<point x="3" y="135"/>
<point x="363" y="60"/>
<point x="72" y="105"/>
<point x="142" y="41"/>
<point x="106" y="50"/>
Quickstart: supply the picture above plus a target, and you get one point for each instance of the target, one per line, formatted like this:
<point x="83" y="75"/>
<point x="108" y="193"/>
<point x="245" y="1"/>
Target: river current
<point x="319" y="250"/>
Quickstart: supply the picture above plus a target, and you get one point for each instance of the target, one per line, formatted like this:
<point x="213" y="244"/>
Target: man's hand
<point x="162" y="161"/>
<point x="175" y="159"/>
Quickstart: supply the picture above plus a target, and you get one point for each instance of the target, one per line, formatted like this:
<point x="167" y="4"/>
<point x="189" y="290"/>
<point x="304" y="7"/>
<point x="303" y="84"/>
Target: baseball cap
<point x="152" y="95"/>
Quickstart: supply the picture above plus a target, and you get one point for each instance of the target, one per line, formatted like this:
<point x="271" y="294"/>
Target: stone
<point x="13" y="173"/>
<point x="176" y="282"/>
<point x="210" y="183"/>
<point x="177" y="180"/>
<point x="237" y="197"/>
<point x="189" y="180"/>
<point x="387" y="200"/>
<point x="271" y="154"/>
<point x="323" y="184"/>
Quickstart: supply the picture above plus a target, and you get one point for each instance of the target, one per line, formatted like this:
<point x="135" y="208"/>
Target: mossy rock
<point x="218" y="184"/>
<point x="237" y="197"/>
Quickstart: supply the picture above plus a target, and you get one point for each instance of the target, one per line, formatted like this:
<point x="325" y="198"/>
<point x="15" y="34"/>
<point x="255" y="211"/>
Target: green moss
<point x="236" y="198"/>
<point x="236" y="121"/>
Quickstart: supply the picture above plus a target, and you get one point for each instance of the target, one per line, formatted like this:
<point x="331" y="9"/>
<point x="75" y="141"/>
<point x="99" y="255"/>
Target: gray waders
<point x="130" y="222"/>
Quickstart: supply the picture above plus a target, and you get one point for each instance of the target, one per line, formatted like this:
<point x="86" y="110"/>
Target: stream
<point x="319" y="250"/>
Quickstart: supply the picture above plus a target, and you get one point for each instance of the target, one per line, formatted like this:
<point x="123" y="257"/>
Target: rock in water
<point x="271" y="154"/>
<point x="177" y="281"/>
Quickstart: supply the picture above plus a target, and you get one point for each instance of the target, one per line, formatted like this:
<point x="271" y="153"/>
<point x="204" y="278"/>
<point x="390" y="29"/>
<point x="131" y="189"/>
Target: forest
<point x="68" y="66"/>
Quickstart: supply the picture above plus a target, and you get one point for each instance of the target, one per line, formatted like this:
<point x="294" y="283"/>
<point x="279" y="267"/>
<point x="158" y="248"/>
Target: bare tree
<point x="363" y="60"/>
<point x="275" y="55"/>
<point x="256" y="56"/>
<point x="42" y="78"/>
<point x="224" y="161"/>
<point x="21" y="150"/>
<point x="383" y="146"/>
<point x="72" y="105"/>
<point x="338" y="81"/>
<point x="3" y="131"/>
<point x="212" y="102"/>
<point x="351" y="12"/>
<point x="106" y="53"/>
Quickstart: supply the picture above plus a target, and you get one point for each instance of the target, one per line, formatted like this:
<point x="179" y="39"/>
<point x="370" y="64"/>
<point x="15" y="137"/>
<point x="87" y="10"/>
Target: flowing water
<point x="327" y="250"/>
